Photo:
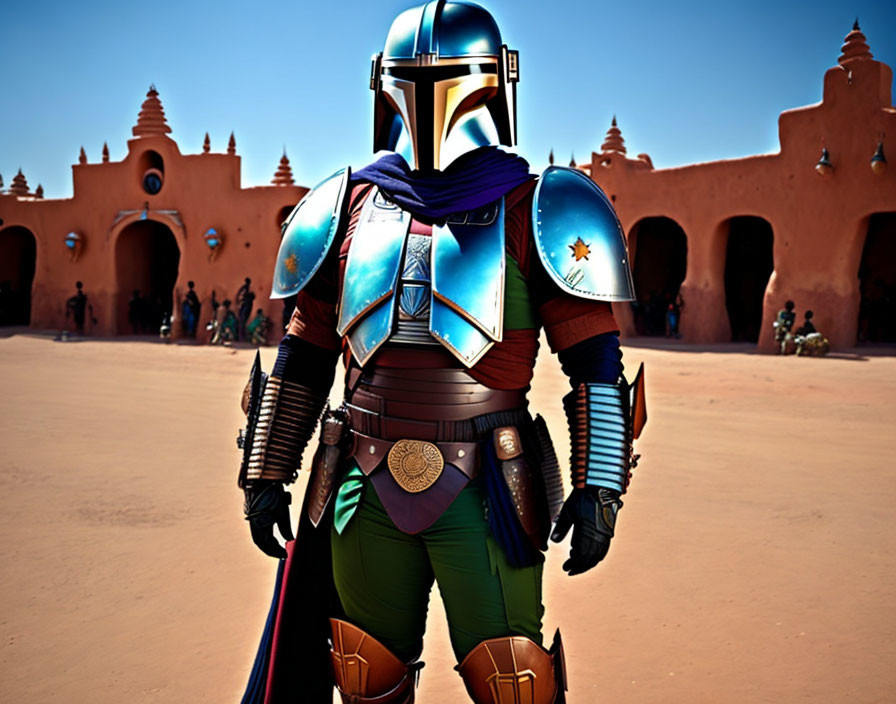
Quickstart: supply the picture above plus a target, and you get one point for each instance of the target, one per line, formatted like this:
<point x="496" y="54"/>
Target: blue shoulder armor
<point x="308" y="234"/>
<point x="579" y="238"/>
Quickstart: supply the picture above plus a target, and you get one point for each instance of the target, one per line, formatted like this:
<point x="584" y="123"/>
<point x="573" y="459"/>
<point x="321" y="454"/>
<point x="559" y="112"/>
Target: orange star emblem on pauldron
<point x="291" y="263"/>
<point x="580" y="250"/>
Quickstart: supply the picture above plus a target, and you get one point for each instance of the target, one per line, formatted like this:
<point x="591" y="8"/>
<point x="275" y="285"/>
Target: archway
<point x="877" y="281"/>
<point x="749" y="262"/>
<point x="660" y="249"/>
<point x="146" y="261"/>
<point x="18" y="254"/>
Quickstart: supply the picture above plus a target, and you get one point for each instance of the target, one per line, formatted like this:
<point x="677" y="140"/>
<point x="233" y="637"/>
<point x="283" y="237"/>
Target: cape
<point x="294" y="652"/>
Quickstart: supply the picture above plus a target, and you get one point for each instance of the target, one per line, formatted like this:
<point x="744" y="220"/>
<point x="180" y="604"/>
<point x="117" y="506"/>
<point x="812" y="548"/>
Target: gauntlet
<point x="604" y="420"/>
<point x="281" y="419"/>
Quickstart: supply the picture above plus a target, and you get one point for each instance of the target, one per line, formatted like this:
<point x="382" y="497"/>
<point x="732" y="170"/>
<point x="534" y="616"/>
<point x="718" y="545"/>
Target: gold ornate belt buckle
<point x="415" y="464"/>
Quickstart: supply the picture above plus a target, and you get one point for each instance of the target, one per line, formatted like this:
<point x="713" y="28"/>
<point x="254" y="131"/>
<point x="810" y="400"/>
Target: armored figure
<point x="431" y="272"/>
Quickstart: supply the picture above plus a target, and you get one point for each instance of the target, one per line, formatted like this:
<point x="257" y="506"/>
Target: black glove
<point x="591" y="513"/>
<point x="266" y="504"/>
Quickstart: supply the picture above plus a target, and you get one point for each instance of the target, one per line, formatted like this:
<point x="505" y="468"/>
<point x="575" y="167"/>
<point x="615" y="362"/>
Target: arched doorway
<point x="18" y="254"/>
<point x="146" y="261"/>
<point x="877" y="281"/>
<point x="660" y="264"/>
<point x="749" y="262"/>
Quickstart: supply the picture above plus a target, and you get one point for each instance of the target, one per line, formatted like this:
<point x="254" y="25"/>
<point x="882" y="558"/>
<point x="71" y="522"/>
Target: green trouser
<point x="384" y="576"/>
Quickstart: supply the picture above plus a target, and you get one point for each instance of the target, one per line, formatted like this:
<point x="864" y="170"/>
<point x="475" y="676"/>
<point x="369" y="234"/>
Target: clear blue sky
<point x="689" y="81"/>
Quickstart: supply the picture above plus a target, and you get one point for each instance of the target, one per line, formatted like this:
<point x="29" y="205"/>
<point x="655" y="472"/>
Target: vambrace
<point x="601" y="435"/>
<point x="285" y="421"/>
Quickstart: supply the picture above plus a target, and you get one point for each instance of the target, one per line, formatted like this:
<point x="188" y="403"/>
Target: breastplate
<point x="412" y="289"/>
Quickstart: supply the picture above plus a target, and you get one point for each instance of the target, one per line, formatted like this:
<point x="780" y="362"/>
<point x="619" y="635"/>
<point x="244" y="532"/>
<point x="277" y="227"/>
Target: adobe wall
<point x="199" y="192"/>
<point x="819" y="222"/>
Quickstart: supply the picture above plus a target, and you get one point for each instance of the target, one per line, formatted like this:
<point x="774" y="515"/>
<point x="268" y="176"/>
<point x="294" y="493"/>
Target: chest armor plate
<point x="412" y="289"/>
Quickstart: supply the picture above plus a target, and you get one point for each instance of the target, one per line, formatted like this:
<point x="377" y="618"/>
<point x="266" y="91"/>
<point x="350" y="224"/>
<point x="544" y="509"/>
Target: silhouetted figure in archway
<point x="245" y="299"/>
<point x="191" y="310"/>
<point x="674" y="304"/>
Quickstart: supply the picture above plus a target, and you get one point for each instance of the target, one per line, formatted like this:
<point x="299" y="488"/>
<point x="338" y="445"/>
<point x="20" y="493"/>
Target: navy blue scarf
<point x="472" y="181"/>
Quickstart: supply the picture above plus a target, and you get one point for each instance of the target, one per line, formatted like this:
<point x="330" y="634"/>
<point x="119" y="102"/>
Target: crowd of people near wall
<point x="148" y="315"/>
<point x="227" y="326"/>
<point x="655" y="315"/>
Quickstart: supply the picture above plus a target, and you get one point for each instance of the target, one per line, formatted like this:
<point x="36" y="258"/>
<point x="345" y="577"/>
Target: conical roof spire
<point x="854" y="48"/>
<point x="105" y="152"/>
<point x="572" y="160"/>
<point x="1" y="180"/>
<point x="613" y="142"/>
<point x="206" y="144"/>
<point x="39" y="191"/>
<point x="151" y="120"/>
<point x="283" y="175"/>
<point x="19" y="186"/>
<point x="231" y="145"/>
<point x="82" y="157"/>
<point x="551" y="157"/>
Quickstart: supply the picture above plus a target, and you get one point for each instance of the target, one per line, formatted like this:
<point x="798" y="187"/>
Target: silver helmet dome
<point x="444" y="85"/>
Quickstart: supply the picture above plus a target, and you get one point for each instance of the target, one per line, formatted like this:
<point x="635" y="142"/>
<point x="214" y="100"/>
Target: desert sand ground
<point x="754" y="560"/>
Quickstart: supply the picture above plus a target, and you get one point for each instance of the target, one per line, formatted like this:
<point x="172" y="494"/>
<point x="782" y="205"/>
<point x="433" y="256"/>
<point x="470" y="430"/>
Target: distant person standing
<point x="674" y="304"/>
<point x="191" y="309"/>
<point x="678" y="302"/>
<point x="245" y="299"/>
<point x="77" y="307"/>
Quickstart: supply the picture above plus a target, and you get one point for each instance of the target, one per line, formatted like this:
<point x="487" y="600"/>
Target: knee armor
<point x="515" y="670"/>
<point x="366" y="671"/>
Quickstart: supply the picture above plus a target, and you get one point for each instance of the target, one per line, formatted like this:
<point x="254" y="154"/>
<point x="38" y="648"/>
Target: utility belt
<point x="419" y="438"/>
<point x="421" y="435"/>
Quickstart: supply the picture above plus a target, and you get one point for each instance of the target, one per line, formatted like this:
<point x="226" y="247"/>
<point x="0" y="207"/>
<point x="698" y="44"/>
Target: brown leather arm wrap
<point x="286" y="421"/>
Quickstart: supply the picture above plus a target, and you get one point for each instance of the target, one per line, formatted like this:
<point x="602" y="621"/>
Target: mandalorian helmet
<point x="444" y="85"/>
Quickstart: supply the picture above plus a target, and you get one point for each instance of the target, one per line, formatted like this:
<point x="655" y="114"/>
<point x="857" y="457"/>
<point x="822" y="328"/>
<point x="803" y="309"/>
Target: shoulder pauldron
<point x="579" y="238"/>
<point x="308" y="234"/>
